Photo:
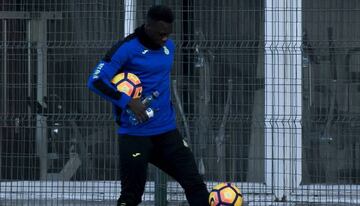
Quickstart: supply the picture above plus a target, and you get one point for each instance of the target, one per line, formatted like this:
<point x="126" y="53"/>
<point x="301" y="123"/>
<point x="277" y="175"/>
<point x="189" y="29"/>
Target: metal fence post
<point x="160" y="188"/>
<point x="160" y="178"/>
<point x="4" y="93"/>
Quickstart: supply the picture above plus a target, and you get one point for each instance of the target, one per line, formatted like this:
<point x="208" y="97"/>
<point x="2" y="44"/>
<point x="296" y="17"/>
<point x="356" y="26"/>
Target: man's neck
<point x="144" y="38"/>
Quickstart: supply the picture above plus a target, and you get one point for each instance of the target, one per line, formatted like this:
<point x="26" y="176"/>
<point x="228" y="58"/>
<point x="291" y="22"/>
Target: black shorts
<point x="168" y="152"/>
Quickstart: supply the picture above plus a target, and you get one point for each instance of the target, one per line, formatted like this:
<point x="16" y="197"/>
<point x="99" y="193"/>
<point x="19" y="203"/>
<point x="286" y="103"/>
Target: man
<point x="149" y="54"/>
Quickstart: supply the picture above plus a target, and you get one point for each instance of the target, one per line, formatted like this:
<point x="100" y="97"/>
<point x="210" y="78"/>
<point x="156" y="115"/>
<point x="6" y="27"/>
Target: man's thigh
<point x="172" y="155"/>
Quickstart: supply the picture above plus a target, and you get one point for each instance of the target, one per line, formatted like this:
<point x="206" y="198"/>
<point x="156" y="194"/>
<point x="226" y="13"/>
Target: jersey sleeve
<point x="99" y="81"/>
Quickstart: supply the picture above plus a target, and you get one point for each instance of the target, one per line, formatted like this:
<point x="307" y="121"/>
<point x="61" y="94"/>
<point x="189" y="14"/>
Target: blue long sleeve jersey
<point x="152" y="65"/>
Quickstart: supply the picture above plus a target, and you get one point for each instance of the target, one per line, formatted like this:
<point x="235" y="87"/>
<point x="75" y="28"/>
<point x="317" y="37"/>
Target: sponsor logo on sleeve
<point x="98" y="70"/>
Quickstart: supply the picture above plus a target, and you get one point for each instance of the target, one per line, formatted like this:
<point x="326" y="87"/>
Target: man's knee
<point x="197" y="195"/>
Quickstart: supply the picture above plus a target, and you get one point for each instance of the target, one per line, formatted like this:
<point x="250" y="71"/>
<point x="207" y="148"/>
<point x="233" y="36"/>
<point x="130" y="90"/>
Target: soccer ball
<point x="128" y="83"/>
<point x="225" y="194"/>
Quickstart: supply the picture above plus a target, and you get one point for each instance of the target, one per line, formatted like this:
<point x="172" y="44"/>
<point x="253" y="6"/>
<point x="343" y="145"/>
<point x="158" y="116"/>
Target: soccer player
<point x="148" y="53"/>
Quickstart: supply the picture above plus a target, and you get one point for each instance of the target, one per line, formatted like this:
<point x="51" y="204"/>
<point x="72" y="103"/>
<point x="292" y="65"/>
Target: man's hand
<point x="139" y="109"/>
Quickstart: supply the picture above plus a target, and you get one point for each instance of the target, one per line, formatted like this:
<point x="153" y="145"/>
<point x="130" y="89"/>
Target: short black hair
<point x="160" y="13"/>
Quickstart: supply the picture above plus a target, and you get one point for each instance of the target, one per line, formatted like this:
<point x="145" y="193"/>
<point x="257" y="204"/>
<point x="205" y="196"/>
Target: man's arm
<point x="100" y="81"/>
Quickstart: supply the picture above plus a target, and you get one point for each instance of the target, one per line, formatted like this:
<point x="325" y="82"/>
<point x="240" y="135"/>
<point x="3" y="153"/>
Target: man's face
<point x="158" y="31"/>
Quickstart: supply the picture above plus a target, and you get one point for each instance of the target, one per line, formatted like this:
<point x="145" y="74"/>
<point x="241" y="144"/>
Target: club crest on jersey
<point x="166" y="50"/>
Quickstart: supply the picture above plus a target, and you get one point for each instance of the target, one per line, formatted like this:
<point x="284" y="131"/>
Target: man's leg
<point x="172" y="156"/>
<point x="134" y="153"/>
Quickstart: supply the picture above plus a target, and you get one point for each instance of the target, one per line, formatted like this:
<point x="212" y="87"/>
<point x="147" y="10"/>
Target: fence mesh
<point x="266" y="93"/>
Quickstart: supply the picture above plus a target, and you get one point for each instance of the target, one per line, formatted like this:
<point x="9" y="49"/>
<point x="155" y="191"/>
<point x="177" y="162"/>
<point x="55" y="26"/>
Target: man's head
<point x="158" y="26"/>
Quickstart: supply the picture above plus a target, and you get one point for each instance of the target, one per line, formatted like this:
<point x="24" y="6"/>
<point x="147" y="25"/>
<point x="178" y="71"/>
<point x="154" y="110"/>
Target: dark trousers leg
<point x="173" y="157"/>
<point x="134" y="153"/>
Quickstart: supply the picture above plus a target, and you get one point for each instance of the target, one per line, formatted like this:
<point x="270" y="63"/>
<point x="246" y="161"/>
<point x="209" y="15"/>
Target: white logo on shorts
<point x="185" y="143"/>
